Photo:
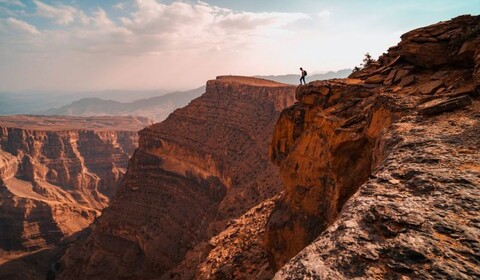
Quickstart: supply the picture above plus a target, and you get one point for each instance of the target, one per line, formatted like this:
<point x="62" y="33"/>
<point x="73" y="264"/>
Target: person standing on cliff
<point x="304" y="74"/>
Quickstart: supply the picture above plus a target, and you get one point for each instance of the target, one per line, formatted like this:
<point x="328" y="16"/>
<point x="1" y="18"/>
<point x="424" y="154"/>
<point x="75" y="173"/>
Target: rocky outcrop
<point x="326" y="146"/>
<point x="417" y="215"/>
<point x="206" y="164"/>
<point x="57" y="174"/>
<point x="447" y="43"/>
<point x="380" y="170"/>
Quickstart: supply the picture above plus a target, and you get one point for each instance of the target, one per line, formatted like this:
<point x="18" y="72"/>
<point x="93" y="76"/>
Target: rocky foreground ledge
<point x="382" y="170"/>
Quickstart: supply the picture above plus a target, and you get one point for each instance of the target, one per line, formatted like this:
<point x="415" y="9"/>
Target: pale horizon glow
<point x="84" y="45"/>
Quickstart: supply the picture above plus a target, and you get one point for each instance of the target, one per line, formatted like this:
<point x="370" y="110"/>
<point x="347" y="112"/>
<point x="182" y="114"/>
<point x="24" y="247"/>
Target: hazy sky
<point x="149" y="44"/>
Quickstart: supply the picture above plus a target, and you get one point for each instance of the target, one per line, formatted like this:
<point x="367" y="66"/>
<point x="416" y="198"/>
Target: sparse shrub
<point x="367" y="60"/>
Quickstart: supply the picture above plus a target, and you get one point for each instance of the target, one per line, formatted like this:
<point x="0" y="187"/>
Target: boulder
<point x="376" y="79"/>
<point x="439" y="106"/>
<point x="406" y="81"/>
<point x="390" y="77"/>
<point x="401" y="73"/>
<point x="430" y="87"/>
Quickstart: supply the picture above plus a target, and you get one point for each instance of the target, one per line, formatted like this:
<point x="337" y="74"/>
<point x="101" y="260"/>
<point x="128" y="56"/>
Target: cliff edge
<point x="381" y="170"/>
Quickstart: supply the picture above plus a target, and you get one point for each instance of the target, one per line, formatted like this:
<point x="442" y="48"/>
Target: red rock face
<point x="204" y="165"/>
<point x="443" y="44"/>
<point x="55" y="179"/>
<point x="378" y="170"/>
<point x="325" y="147"/>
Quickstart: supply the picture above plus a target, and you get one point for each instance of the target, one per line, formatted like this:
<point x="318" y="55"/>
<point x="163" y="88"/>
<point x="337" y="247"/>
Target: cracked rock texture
<point x="382" y="175"/>
<point x="57" y="173"/>
<point x="237" y="252"/>
<point x="206" y="164"/>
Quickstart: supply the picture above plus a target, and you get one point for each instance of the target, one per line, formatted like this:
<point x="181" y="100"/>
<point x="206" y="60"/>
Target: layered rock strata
<point x="57" y="174"/>
<point x="204" y="165"/>
<point x="381" y="170"/>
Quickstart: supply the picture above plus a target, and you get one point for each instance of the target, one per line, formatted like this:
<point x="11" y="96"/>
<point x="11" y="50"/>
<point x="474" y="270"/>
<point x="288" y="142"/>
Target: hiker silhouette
<point x="304" y="74"/>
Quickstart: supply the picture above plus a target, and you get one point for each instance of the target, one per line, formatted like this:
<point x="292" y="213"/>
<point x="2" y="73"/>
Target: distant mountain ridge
<point x="37" y="101"/>
<point x="156" y="108"/>
<point x="294" y="78"/>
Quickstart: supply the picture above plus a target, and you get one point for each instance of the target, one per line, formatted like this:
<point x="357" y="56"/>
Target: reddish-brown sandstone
<point x="326" y="147"/>
<point x="401" y="137"/>
<point x="380" y="172"/>
<point x="204" y="165"/>
<point x="57" y="173"/>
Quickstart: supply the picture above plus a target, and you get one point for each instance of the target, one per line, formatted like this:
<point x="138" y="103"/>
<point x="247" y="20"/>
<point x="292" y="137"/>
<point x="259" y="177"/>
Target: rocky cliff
<point x="381" y="170"/>
<point x="206" y="164"/>
<point x="57" y="174"/>
<point x="380" y="173"/>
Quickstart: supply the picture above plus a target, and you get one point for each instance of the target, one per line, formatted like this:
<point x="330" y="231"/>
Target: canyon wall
<point x="206" y="164"/>
<point x="381" y="170"/>
<point x="57" y="174"/>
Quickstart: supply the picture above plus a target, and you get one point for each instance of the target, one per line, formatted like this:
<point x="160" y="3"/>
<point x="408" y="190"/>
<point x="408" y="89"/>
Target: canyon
<point x="374" y="176"/>
<point x="57" y="174"/>
<point x="206" y="164"/>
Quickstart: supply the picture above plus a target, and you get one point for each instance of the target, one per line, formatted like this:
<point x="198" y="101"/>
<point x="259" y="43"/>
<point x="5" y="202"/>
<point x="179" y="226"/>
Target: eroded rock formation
<point x="204" y="165"/>
<point x="380" y="172"/>
<point x="326" y="147"/>
<point x="386" y="143"/>
<point x="57" y="174"/>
